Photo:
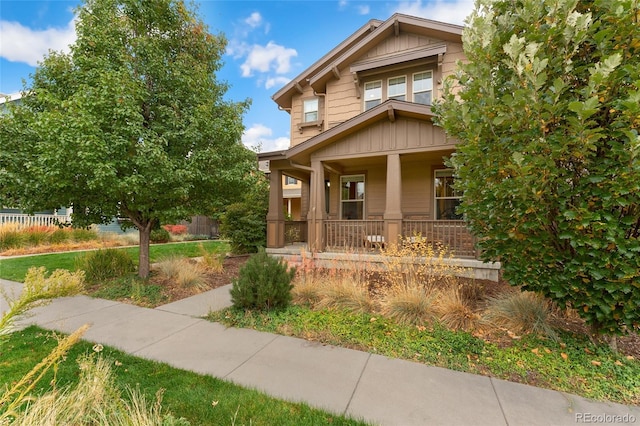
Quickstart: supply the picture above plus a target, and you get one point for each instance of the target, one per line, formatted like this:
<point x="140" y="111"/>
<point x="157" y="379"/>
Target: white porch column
<point x="275" y="216"/>
<point x="393" y="206"/>
<point x="316" y="214"/>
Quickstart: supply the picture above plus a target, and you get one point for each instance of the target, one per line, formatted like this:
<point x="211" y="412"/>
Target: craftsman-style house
<point x="363" y="144"/>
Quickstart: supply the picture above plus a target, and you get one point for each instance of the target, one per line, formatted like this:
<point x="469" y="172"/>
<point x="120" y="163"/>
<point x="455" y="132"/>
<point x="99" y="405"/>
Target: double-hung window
<point x="397" y="88"/>
<point x="372" y="94"/>
<point x="423" y="87"/>
<point x="447" y="198"/>
<point x="310" y="110"/>
<point x="352" y="197"/>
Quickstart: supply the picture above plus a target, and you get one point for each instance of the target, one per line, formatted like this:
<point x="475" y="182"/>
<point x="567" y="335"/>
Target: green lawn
<point x="187" y="394"/>
<point x="14" y="269"/>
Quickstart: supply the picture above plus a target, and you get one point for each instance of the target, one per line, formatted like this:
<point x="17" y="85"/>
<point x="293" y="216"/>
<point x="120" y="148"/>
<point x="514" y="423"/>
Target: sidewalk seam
<point x="495" y="392"/>
<point x="355" y="388"/>
<point x="275" y="337"/>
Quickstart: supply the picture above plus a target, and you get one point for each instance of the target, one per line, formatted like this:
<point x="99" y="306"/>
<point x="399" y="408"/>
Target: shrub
<point x="175" y="229"/>
<point x="105" y="264"/>
<point x="520" y="312"/>
<point x="263" y="282"/>
<point x="159" y="236"/>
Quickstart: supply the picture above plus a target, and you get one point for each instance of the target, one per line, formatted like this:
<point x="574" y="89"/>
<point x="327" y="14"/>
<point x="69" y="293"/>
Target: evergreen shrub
<point x="264" y="282"/>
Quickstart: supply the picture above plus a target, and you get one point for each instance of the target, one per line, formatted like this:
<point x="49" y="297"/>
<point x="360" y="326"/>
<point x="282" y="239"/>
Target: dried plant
<point x="183" y="273"/>
<point x="410" y="304"/>
<point x="455" y="309"/>
<point x="212" y="261"/>
<point x="342" y="291"/>
<point x="520" y="312"/>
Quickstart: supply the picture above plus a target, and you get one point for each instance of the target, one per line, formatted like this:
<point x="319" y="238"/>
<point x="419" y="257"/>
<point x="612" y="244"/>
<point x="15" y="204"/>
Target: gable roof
<point x="360" y="42"/>
<point x="391" y="110"/>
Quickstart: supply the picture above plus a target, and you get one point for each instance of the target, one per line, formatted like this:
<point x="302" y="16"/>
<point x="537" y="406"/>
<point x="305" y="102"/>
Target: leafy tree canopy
<point x="131" y="123"/>
<point x="547" y="111"/>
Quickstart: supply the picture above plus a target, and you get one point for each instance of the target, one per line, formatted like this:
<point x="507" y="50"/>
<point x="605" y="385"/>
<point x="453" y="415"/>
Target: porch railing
<point x="453" y="234"/>
<point x="353" y="234"/>
<point x="25" y="220"/>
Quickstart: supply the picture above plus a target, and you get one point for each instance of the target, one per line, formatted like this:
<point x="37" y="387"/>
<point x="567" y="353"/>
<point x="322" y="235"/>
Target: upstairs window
<point x="290" y="181"/>
<point x="372" y="94"/>
<point x="397" y="88"/>
<point x="310" y="110"/>
<point x="423" y="87"/>
<point x="447" y="198"/>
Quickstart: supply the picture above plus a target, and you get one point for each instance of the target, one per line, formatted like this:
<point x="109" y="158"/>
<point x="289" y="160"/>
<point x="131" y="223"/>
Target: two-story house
<point x="363" y="143"/>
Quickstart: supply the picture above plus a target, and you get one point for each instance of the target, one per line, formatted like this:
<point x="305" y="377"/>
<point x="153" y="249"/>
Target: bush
<point x="263" y="282"/>
<point x="105" y="264"/>
<point x="159" y="236"/>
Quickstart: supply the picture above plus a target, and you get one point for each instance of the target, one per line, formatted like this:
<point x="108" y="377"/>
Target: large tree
<point x="131" y="123"/>
<point x="547" y="111"/>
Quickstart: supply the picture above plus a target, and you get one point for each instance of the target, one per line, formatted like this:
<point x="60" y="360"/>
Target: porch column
<point x="393" y="207"/>
<point x="275" y="216"/>
<point x="316" y="215"/>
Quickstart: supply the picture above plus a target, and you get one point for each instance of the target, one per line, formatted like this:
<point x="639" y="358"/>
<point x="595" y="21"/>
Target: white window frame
<point x="402" y="95"/>
<point x="416" y="92"/>
<point x="455" y="194"/>
<point x="361" y="179"/>
<point x="310" y="106"/>
<point x="290" y="180"/>
<point x="366" y="100"/>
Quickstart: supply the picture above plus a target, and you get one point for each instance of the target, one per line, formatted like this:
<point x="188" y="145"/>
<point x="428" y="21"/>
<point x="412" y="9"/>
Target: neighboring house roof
<point x="369" y="35"/>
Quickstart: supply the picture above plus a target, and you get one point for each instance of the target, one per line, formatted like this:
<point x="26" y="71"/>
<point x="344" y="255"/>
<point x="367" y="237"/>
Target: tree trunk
<point x="144" y="265"/>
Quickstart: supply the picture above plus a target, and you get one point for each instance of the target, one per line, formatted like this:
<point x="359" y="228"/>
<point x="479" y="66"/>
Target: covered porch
<point x="369" y="182"/>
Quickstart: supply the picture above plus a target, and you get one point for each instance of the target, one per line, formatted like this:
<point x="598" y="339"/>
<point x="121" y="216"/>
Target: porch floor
<point x="295" y="253"/>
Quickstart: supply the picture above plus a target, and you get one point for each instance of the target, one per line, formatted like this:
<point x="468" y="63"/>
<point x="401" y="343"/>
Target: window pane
<point x="352" y="210"/>
<point x="311" y="110"/>
<point x="372" y="94"/>
<point x="446" y="209"/>
<point x="423" y="88"/>
<point x="397" y="88"/>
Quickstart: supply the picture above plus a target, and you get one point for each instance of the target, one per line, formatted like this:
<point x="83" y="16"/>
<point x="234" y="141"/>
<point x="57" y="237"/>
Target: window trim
<point x="364" y="194"/>
<point x="435" y="193"/>
<point x="364" y="97"/>
<point x="413" y="86"/>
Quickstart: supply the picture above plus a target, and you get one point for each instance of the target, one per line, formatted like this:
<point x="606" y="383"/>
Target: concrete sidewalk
<point x="375" y="388"/>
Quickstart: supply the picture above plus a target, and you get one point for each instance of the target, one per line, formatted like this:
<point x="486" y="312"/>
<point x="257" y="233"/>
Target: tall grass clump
<point x="520" y="312"/>
<point x="263" y="282"/>
<point x="342" y="291"/>
<point x="455" y="309"/>
<point x="212" y="261"/>
<point x="181" y="272"/>
<point x="415" y="270"/>
<point x="105" y="264"/>
<point x="10" y="236"/>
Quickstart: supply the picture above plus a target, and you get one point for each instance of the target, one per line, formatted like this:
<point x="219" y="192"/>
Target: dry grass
<point x="520" y="312"/>
<point x="183" y="273"/>
<point x="410" y="304"/>
<point x="307" y="292"/>
<point x="343" y="292"/>
<point x="212" y="261"/>
<point x="456" y="310"/>
<point x="96" y="399"/>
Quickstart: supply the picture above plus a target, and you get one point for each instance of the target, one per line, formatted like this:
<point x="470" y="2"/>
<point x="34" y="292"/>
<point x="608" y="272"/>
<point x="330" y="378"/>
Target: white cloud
<point x="254" y="20"/>
<point x="276" y="81"/>
<point x="453" y="12"/>
<point x="364" y="9"/>
<point x="266" y="58"/>
<point x="23" y="44"/>
<point x="260" y="137"/>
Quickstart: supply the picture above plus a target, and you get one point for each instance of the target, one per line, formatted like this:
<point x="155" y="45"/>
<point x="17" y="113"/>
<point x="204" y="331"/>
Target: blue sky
<point x="269" y="43"/>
